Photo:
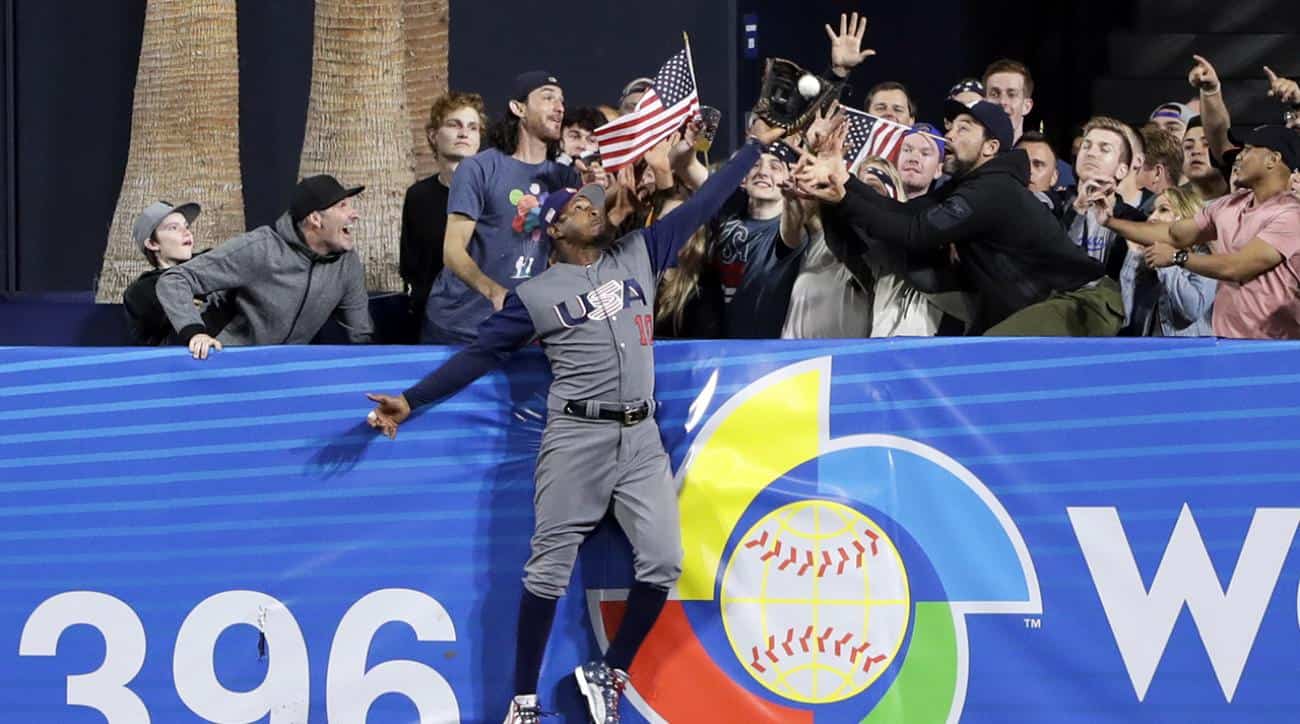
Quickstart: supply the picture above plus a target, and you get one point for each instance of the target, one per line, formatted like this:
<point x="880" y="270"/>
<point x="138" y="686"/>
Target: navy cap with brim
<point x="1281" y="139"/>
<point x="989" y="115"/>
<point x="526" y="83"/>
<point x="557" y="201"/>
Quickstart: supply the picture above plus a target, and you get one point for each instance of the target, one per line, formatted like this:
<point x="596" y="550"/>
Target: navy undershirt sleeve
<point x="665" y="237"/>
<point x="498" y="337"/>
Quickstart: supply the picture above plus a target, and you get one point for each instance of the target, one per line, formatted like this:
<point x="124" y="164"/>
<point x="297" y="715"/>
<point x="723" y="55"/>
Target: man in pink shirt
<point x="1255" y="235"/>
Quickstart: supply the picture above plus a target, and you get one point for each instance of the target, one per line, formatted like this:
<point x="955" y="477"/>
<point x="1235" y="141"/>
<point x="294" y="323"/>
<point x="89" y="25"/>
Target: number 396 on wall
<point x="284" y="693"/>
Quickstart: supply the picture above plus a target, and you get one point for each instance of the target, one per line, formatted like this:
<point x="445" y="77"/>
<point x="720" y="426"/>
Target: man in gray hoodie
<point x="287" y="279"/>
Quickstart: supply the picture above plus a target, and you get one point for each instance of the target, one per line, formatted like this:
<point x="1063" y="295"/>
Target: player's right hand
<point x="201" y="344"/>
<point x="390" y="412"/>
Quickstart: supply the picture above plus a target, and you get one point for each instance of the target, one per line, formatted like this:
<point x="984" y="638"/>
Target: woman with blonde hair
<point x="689" y="304"/>
<point x="1168" y="302"/>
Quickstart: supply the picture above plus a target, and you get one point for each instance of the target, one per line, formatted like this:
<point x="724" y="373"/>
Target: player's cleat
<point x="602" y="687"/>
<point x="524" y="710"/>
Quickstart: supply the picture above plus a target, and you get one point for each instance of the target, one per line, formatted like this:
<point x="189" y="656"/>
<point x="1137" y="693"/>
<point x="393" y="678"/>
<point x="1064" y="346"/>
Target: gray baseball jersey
<point x="596" y="324"/>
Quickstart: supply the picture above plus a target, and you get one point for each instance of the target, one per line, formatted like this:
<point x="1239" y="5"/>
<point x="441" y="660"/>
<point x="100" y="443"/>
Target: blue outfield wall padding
<point x="884" y="530"/>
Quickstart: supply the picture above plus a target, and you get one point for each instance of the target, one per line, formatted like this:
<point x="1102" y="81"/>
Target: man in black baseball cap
<point x="317" y="193"/>
<point x="288" y="279"/>
<point x="989" y="116"/>
<point x="1030" y="279"/>
<point x="1278" y="139"/>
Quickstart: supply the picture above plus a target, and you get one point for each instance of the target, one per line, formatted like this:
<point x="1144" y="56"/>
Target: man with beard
<point x="493" y="239"/>
<point x="1029" y="277"/>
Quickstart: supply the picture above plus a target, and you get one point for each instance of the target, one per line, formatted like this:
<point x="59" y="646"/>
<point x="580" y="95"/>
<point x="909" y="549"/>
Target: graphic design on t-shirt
<point x="527" y="221"/>
<point x="733" y="252"/>
<point x="528" y="210"/>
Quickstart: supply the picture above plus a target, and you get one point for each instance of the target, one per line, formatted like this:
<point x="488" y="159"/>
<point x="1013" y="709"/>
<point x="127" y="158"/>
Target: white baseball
<point x="809" y="86"/>
<point x="372" y="416"/>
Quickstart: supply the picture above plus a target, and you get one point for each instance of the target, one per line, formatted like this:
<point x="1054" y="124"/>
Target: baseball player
<point x="592" y="310"/>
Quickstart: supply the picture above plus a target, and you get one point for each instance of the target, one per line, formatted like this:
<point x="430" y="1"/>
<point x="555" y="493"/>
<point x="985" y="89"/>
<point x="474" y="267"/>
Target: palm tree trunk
<point x="427" y="23"/>
<point x="184" y="131"/>
<point x="368" y="55"/>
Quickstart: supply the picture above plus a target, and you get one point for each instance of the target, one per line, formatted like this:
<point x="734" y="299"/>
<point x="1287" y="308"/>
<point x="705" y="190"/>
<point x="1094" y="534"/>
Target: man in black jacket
<point x="1029" y="277"/>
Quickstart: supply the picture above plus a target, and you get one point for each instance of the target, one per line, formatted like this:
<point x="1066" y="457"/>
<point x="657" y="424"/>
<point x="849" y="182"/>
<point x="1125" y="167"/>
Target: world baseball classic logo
<point x="815" y="601"/>
<point x="824" y="580"/>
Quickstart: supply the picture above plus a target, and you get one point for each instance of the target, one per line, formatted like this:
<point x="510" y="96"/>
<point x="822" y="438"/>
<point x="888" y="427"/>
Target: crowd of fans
<point x="1184" y="226"/>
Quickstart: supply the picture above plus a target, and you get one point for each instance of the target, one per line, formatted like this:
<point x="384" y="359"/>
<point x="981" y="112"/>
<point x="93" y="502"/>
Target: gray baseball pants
<point x="585" y="466"/>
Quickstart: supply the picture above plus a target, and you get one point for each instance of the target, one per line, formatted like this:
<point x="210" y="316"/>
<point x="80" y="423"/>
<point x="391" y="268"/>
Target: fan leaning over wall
<point x="184" y="131"/>
<point x="376" y="66"/>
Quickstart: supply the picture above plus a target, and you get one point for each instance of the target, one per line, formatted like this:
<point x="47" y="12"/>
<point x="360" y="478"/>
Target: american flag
<point x="663" y="109"/>
<point x="871" y="136"/>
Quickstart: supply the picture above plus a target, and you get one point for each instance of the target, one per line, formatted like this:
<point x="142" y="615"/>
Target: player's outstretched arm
<point x="498" y="337"/>
<point x="665" y="237"/>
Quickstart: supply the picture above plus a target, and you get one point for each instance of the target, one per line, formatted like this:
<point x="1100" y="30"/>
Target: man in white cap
<point x="1173" y="117"/>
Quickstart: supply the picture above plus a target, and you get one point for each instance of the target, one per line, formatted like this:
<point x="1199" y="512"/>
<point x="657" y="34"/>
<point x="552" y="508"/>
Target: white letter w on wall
<point x="1143" y="620"/>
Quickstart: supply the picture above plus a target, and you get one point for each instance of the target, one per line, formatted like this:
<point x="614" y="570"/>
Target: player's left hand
<point x="760" y="131"/>
<point x="390" y="412"/>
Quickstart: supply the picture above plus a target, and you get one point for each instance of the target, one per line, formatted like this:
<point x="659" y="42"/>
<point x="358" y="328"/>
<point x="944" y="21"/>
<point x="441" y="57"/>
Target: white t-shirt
<point x="826" y="302"/>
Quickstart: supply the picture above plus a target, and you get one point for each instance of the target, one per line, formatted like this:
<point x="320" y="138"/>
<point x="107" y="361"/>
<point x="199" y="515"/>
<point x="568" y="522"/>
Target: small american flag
<point x="663" y="109"/>
<point x="871" y="136"/>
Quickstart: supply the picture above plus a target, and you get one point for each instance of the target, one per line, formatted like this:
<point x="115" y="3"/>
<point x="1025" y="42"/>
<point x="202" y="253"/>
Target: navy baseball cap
<point x="990" y="115"/>
<point x="933" y="133"/>
<point x="1285" y="141"/>
<point x="526" y="83"/>
<point x="557" y="200"/>
<point x="967" y="85"/>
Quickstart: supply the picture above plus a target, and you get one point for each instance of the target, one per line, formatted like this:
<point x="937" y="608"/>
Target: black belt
<point x="627" y="413"/>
